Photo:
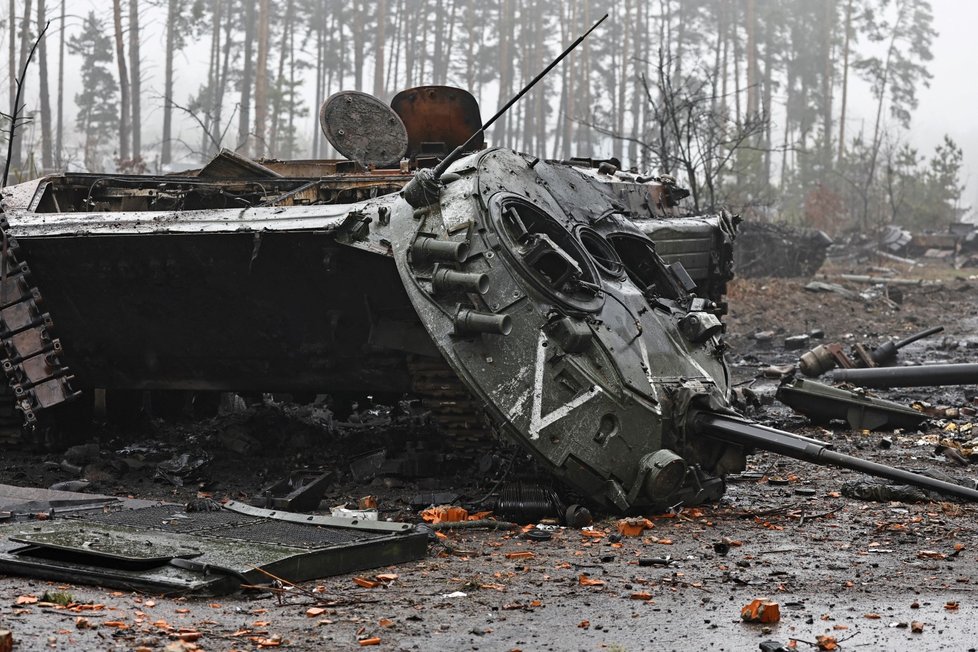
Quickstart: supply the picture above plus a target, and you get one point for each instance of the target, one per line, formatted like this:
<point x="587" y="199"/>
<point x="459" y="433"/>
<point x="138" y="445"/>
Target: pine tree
<point x="98" y="104"/>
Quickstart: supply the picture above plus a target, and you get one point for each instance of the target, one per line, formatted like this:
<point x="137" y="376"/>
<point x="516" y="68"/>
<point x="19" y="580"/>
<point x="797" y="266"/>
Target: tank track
<point x="454" y="411"/>
<point x="31" y="358"/>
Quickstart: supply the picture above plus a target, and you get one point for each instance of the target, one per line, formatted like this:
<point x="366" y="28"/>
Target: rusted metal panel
<point x="443" y="116"/>
<point x="231" y="165"/>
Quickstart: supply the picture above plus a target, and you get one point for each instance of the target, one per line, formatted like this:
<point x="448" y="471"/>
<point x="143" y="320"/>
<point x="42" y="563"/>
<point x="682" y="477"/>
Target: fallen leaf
<point x="827" y="643"/>
<point x="584" y="580"/>
<point x="641" y="595"/>
<point x="83" y="623"/>
<point x="312" y="612"/>
<point x="385" y="622"/>
<point x="931" y="554"/>
<point x="182" y="611"/>
<point x="116" y="623"/>
<point x="872" y="616"/>
<point x="386" y="577"/>
<point x="952" y="605"/>
<point x="189" y="637"/>
<point x="917" y="627"/>
<point x="584" y="624"/>
<point x="26" y="599"/>
<point x="526" y="554"/>
<point x="365" y="583"/>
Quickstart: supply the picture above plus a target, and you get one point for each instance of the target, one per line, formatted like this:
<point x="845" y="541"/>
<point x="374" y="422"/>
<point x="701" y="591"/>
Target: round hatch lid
<point x="363" y="129"/>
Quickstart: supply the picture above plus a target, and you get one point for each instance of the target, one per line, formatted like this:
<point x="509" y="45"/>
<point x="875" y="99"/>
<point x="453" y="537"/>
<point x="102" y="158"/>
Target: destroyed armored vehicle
<point x="570" y="301"/>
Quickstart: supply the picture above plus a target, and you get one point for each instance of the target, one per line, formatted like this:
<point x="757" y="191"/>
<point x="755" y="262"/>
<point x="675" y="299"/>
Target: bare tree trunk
<point x="828" y="22"/>
<point x="584" y="144"/>
<point x="505" y="29"/>
<point x="750" y="20"/>
<point x="222" y="82"/>
<point x="42" y="63"/>
<point x="845" y="83"/>
<point x="640" y="39"/>
<point x="379" y="48"/>
<point x="12" y="55"/>
<point x="123" y="83"/>
<point x="394" y="59"/>
<point x="320" y="27"/>
<point x="261" y="79"/>
<point x="209" y="95"/>
<point x="359" y="9"/>
<point x="273" y="137"/>
<point x="58" y="144"/>
<point x="166" y="146"/>
<point x="134" y="68"/>
<point x="25" y="38"/>
<point x="247" y="78"/>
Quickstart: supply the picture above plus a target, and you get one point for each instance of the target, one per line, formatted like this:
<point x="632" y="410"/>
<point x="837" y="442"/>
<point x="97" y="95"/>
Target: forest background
<point x="805" y="111"/>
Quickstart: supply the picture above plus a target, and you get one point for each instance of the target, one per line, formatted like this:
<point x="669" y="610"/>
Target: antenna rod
<point x="454" y="156"/>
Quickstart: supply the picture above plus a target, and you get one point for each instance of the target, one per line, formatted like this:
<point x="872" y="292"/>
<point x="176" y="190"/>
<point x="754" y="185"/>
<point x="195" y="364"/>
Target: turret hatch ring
<point x="546" y="254"/>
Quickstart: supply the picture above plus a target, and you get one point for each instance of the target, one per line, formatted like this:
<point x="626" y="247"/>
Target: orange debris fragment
<point x="444" y="514"/>
<point x="827" y="643"/>
<point x="367" y="502"/>
<point x="641" y="595"/>
<point x="365" y="583"/>
<point x="761" y="611"/>
<point x="312" y="612"/>
<point x="373" y="640"/>
<point x="633" y="527"/>
<point x="525" y="554"/>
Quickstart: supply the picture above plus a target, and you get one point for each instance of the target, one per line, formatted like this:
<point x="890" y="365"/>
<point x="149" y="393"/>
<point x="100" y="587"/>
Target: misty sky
<point x="946" y="107"/>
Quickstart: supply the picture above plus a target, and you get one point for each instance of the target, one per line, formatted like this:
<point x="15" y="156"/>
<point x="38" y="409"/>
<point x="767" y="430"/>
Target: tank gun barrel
<point x="930" y="375"/>
<point x="752" y="435"/>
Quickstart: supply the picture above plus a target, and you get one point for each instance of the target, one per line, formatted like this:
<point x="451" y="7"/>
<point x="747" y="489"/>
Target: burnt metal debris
<point x="780" y="250"/>
<point x="929" y="375"/>
<point x="573" y="302"/>
<point x="823" y="403"/>
<point x="164" y="548"/>
<point x="826" y="357"/>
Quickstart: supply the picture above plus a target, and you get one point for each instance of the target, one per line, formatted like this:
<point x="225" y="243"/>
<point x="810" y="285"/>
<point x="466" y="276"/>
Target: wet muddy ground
<point x="870" y="575"/>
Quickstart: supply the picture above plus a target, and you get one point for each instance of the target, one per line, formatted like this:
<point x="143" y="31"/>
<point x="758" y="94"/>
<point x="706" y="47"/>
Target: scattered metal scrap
<point x="167" y="549"/>
<point x="826" y="357"/>
<point x="780" y="250"/>
<point x="930" y="375"/>
<point x="823" y="403"/>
